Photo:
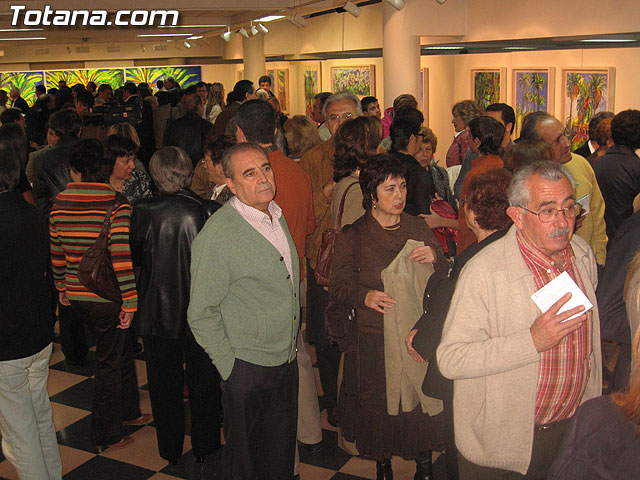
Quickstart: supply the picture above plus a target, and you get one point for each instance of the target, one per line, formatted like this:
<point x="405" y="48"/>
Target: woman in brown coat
<point x="362" y="406"/>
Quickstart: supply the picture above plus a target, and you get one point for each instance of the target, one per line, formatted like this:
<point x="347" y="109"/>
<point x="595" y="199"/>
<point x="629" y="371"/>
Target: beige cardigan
<point x="405" y="280"/>
<point x="488" y="351"/>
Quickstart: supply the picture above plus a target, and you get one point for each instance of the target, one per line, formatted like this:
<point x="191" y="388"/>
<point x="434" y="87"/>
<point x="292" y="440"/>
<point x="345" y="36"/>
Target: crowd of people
<point x="194" y="222"/>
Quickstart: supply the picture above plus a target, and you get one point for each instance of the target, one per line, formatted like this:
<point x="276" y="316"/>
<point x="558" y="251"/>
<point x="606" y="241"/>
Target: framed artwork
<point x="185" y="76"/>
<point x="585" y="91"/>
<point x="312" y="84"/>
<point x="282" y="89"/>
<point x="424" y="94"/>
<point x="25" y="81"/>
<point x="272" y="73"/>
<point x="488" y="85"/>
<point x="110" y="76"/>
<point x="533" y="90"/>
<point x="358" y="80"/>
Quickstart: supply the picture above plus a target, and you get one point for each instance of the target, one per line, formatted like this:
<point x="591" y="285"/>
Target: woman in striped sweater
<point x="75" y="224"/>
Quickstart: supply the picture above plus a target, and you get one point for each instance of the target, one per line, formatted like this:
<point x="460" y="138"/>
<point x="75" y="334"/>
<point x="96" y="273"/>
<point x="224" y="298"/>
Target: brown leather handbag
<point x="325" y="253"/>
<point x="95" y="270"/>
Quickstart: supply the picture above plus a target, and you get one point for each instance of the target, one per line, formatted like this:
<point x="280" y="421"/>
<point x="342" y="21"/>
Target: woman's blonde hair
<point x="629" y="400"/>
<point x="125" y="129"/>
<point x="301" y="134"/>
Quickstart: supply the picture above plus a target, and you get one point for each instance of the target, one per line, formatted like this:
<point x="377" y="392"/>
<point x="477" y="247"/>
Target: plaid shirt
<point x="564" y="369"/>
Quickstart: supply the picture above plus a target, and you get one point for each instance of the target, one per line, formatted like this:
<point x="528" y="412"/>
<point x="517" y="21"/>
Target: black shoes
<point x="311" y="447"/>
<point x="332" y="416"/>
<point x="424" y="469"/>
<point x="383" y="470"/>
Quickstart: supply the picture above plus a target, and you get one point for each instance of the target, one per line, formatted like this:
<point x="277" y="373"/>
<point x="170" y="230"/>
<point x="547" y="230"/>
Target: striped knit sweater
<point x="74" y="225"/>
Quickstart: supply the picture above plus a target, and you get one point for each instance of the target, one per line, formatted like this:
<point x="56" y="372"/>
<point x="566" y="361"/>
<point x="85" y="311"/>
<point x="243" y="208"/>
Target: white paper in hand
<point x="556" y="289"/>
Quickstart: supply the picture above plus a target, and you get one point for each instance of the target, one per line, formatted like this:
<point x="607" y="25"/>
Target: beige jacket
<point x="488" y="351"/>
<point x="405" y="280"/>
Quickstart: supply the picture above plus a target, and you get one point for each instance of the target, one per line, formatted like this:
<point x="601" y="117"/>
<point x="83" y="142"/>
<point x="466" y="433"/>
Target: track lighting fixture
<point x="298" y="20"/>
<point x="262" y="29"/>
<point x="227" y="36"/>
<point x="397" y="4"/>
<point x="352" y="8"/>
<point x="243" y="31"/>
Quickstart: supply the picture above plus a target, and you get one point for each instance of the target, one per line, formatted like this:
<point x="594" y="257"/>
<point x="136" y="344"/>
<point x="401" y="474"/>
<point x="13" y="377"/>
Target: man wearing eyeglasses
<point x="591" y="225"/>
<point x="318" y="162"/>
<point x="520" y="374"/>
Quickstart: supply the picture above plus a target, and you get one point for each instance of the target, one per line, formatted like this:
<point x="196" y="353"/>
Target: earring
<point x="374" y="205"/>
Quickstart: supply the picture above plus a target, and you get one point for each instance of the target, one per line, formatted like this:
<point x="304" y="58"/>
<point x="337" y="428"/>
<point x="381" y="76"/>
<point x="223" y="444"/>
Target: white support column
<point x="253" y="56"/>
<point x="401" y="55"/>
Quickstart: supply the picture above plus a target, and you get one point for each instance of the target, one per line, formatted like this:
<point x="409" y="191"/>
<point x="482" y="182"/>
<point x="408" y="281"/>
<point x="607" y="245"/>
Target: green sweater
<point x="244" y="303"/>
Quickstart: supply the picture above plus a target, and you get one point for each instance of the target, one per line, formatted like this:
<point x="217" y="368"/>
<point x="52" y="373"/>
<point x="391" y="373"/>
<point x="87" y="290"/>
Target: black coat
<point x="26" y="318"/>
<point x="22" y="104"/>
<point x="51" y="172"/>
<point x="162" y="229"/>
<point x="189" y="133"/>
<point x="420" y="188"/>
<point x="436" y="303"/>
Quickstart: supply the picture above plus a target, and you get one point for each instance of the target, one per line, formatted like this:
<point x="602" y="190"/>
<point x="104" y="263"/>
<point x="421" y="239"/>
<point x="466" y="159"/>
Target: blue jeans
<point x="28" y="435"/>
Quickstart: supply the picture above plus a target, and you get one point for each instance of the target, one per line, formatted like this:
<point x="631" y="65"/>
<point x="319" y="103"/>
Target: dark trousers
<point x="450" y="449"/>
<point x="116" y="397"/>
<point x="328" y="356"/>
<point x="546" y="444"/>
<point x="260" y="417"/>
<point x="164" y="359"/>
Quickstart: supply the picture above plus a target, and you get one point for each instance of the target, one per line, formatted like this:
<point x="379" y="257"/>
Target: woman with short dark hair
<point x="380" y="235"/>
<point x="77" y="218"/>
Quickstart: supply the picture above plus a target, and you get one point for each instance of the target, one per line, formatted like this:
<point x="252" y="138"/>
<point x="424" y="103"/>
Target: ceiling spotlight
<point x="186" y="44"/>
<point x="68" y="50"/>
<point x="142" y="47"/>
<point x="226" y="36"/>
<point x="262" y="29"/>
<point x="352" y="9"/>
<point x="441" y="1"/>
<point x="243" y="32"/>
<point x="253" y="30"/>
<point x="298" y="20"/>
<point x="397" y="4"/>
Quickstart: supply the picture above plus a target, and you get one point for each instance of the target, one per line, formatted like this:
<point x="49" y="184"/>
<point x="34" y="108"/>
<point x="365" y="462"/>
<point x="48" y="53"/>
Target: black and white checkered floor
<point x="71" y="391"/>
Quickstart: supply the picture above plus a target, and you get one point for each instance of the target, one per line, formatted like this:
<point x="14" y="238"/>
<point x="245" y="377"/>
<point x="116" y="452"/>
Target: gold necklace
<point x="392" y="227"/>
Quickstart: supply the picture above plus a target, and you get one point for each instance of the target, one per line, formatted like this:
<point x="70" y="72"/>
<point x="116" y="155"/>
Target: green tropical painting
<point x="585" y="94"/>
<point x="185" y="76"/>
<point x="357" y="80"/>
<point x="486" y="88"/>
<point x="531" y="93"/>
<point x="110" y="76"/>
<point x="25" y="81"/>
<point x="311" y="75"/>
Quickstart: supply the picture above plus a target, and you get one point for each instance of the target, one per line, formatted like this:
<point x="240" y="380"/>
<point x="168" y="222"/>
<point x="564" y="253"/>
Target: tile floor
<point x="71" y="390"/>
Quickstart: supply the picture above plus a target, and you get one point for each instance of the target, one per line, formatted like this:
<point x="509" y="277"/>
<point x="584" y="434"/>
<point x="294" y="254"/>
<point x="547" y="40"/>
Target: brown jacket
<point x="318" y="162"/>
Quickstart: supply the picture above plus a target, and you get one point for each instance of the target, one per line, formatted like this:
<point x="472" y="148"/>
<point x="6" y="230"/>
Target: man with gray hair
<point x="520" y="374"/>
<point x="590" y="224"/>
<point x="318" y="162"/>
<point x="17" y="101"/>
<point x="190" y="131"/>
<point x="244" y="311"/>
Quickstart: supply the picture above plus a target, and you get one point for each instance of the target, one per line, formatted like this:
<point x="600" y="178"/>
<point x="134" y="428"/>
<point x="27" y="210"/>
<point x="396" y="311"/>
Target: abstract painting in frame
<point x="488" y="85"/>
<point x="25" y="81"/>
<point x="185" y="76"/>
<point x="533" y="90"/>
<point x="282" y="89"/>
<point x="110" y="76"/>
<point x="358" y="80"/>
<point x="312" y="78"/>
<point x="585" y="92"/>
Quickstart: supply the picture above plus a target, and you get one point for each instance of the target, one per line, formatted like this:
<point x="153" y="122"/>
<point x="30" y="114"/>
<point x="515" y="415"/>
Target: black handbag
<point x="95" y="270"/>
<point x="339" y="320"/>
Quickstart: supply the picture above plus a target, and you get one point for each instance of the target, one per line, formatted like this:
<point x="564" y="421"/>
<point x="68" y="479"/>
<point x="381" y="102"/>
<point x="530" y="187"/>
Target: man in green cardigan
<point x="244" y="312"/>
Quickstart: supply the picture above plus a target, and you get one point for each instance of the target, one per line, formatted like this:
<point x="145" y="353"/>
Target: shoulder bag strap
<point x="106" y="225"/>
<point x="357" y="256"/>
<point x="344" y="197"/>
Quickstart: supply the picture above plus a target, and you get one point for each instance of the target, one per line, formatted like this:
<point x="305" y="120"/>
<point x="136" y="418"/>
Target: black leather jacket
<point x="162" y="229"/>
<point x="51" y="172"/>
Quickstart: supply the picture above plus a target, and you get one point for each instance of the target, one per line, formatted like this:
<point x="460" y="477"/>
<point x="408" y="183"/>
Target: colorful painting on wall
<point x="25" y="81"/>
<point x="111" y="76"/>
<point x="487" y="86"/>
<point x="532" y="92"/>
<point x="586" y="91"/>
<point x="185" y="76"/>
<point x="282" y="89"/>
<point x="311" y="75"/>
<point x="358" y="80"/>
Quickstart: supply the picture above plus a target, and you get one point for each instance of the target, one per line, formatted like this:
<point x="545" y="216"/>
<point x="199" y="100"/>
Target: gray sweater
<point x="243" y="303"/>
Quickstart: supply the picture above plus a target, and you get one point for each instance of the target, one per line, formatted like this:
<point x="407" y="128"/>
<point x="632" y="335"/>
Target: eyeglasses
<point x="344" y="116"/>
<point x="547" y="215"/>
